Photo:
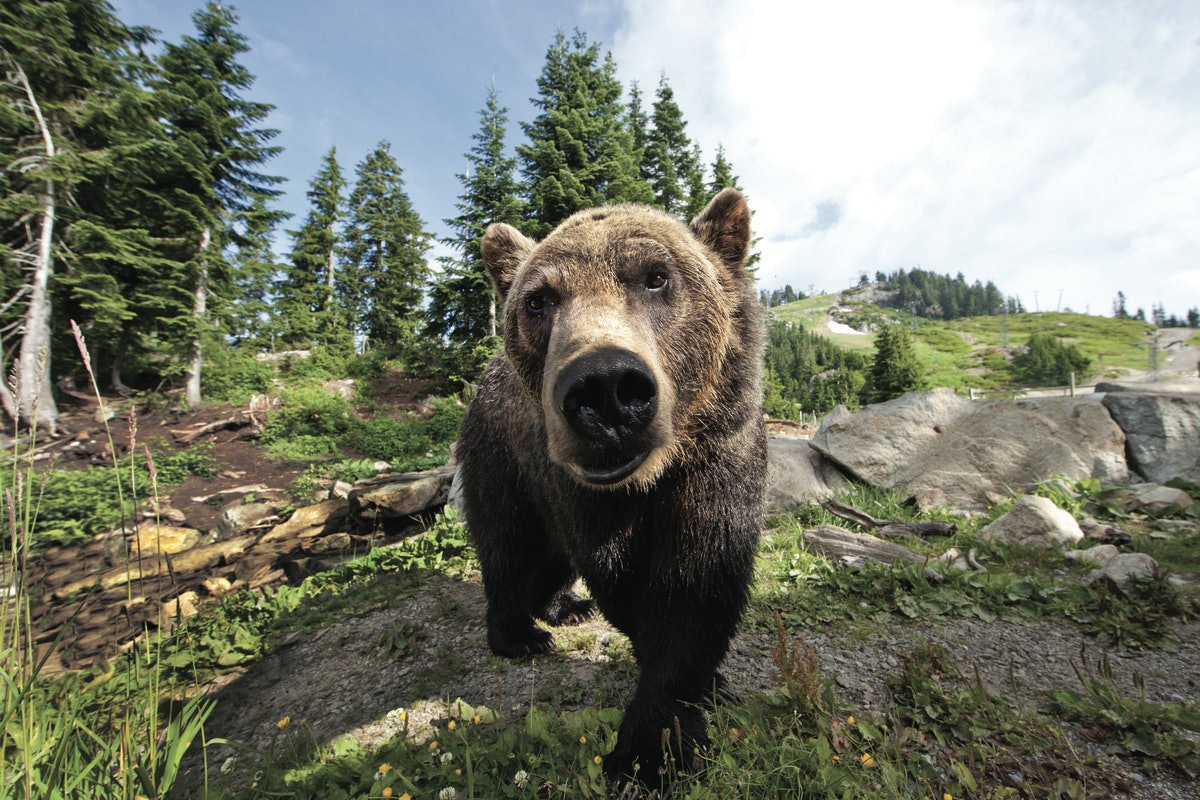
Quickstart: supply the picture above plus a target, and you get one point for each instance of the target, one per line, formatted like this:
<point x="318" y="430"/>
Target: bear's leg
<point x="664" y="725"/>
<point x="554" y="598"/>
<point x="514" y="566"/>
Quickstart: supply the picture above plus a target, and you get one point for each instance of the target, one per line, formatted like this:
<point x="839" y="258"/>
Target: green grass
<point x="967" y="353"/>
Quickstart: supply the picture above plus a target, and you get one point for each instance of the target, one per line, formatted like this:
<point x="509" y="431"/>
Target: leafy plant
<point x="1152" y="731"/>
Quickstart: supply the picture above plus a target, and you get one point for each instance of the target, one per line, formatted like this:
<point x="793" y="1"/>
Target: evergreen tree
<point x="669" y="161"/>
<point x="639" y="130"/>
<point x="895" y="368"/>
<point x="722" y="174"/>
<point x="306" y="294"/>
<point x="385" y="256"/>
<point x="1048" y="361"/>
<point x="251" y="316"/>
<point x="580" y="152"/>
<point x="218" y="130"/>
<point x="462" y="306"/>
<point x="68" y="68"/>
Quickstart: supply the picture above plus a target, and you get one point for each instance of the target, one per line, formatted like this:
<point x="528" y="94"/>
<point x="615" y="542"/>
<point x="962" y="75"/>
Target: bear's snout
<point x="609" y="398"/>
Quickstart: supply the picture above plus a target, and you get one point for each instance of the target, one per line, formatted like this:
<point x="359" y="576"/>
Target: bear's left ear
<point x="503" y="248"/>
<point x="725" y="227"/>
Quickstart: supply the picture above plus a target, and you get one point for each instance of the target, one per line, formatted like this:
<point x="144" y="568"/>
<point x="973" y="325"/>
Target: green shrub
<point x="309" y="411"/>
<point x="321" y="363"/>
<point x="232" y="377"/>
<point x="71" y="505"/>
<point x="390" y="439"/>
<point x="442" y="427"/>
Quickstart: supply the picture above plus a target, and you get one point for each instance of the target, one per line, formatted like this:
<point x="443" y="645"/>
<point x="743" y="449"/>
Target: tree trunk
<point x="199" y="311"/>
<point x="35" y="399"/>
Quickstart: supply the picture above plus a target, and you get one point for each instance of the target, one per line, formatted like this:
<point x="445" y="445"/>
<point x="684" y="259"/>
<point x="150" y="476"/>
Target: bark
<point x="199" y="311"/>
<point x="34" y="398"/>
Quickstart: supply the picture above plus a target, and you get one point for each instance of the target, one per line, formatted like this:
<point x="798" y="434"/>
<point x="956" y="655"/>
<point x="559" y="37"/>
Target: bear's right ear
<point x="724" y="225"/>
<point x="504" y="248"/>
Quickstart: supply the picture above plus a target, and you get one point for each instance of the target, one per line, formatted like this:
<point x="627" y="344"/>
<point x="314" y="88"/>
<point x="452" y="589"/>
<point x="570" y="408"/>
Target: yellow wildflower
<point x="452" y="725"/>
<point x="478" y="719"/>
<point x="387" y="791"/>
<point x="433" y="745"/>
<point x="385" y="768"/>
<point x="283" y="723"/>
<point x="850" y="720"/>
<point x="868" y="760"/>
<point x="596" y="759"/>
<point x="947" y="796"/>
<point x="583" y="740"/>
<point x="405" y="796"/>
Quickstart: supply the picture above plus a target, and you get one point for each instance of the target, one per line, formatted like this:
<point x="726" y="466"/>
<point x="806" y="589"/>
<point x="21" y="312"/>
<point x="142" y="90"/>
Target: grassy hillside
<point x="971" y="352"/>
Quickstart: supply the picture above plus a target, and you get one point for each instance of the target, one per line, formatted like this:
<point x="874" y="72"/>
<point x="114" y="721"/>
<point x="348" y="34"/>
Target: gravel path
<point x="342" y="679"/>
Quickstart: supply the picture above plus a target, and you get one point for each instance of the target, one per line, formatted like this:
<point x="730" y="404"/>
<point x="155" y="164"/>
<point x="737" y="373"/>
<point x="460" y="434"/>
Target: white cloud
<point x="1044" y="146"/>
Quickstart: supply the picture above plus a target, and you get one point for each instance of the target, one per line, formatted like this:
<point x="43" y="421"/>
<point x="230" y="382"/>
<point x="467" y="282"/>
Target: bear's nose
<point x="607" y="396"/>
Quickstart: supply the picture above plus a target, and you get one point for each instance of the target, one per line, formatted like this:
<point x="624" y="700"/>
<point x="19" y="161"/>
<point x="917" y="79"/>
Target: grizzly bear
<point x="619" y="438"/>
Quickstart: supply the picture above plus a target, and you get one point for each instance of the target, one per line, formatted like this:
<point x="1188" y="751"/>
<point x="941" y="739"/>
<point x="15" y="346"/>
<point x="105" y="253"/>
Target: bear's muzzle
<point x="609" y="398"/>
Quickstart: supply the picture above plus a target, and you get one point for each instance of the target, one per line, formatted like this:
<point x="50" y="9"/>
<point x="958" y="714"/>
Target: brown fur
<point x="620" y="438"/>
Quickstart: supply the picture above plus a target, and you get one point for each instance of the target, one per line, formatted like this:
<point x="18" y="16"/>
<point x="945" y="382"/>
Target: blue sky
<point x="1051" y="147"/>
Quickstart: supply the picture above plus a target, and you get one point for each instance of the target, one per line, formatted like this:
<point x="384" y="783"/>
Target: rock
<point x="1033" y="522"/>
<point x="315" y="520"/>
<point x="798" y="474"/>
<point x="342" y="488"/>
<point x="1119" y="569"/>
<point x="195" y="560"/>
<point x="1096" y="556"/>
<point x="148" y="541"/>
<point x="217" y="586"/>
<point x="969" y="454"/>
<point x="390" y="497"/>
<point x="1151" y="498"/>
<point x="239" y="518"/>
<point x="180" y="607"/>
<point x="1108" y="534"/>
<point x="1161" y="430"/>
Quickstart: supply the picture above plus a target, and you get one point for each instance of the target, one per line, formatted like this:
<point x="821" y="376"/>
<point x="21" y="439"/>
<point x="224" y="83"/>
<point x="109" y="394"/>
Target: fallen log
<point x="852" y="549"/>
<point x="887" y="527"/>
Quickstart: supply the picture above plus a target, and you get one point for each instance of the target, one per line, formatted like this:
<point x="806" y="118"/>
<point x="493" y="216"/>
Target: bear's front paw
<point x="518" y="640"/>
<point x="568" y="608"/>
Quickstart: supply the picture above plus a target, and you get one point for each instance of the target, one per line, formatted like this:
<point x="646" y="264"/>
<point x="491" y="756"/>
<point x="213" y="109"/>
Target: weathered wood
<point x="887" y="527"/>
<point x="847" y="547"/>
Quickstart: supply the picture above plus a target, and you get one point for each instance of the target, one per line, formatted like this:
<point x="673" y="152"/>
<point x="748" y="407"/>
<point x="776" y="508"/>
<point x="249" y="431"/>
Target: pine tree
<point x="580" y="152"/>
<point x="669" y="161"/>
<point x="895" y="368"/>
<point x="722" y="174"/>
<point x="68" y="67"/>
<point x="306" y="294"/>
<point x="250" y="316"/>
<point x="1048" y="361"/>
<point x="462" y="306"/>
<point x="384" y="256"/>
<point x="218" y="129"/>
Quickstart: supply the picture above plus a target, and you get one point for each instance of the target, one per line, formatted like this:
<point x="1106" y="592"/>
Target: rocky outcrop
<point x="949" y="450"/>
<point x="1162" y="429"/>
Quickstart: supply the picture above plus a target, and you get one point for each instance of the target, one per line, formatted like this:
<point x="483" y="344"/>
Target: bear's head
<point x="622" y="324"/>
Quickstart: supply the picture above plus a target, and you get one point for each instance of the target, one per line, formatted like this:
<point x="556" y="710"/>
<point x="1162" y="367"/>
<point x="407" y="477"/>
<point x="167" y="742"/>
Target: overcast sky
<point x="1050" y="147"/>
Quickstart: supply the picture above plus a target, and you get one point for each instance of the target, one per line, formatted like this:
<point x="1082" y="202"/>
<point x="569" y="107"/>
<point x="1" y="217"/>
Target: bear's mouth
<point x="607" y="476"/>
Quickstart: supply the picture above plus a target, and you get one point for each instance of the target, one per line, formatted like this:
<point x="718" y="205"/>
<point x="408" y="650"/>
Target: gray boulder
<point x="1034" y="522"/>
<point x="1162" y="430"/>
<point x="798" y="474"/>
<point x="969" y="454"/>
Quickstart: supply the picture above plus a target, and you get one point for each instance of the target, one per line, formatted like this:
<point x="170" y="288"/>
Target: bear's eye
<point x="535" y="304"/>
<point x="656" y="278"/>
